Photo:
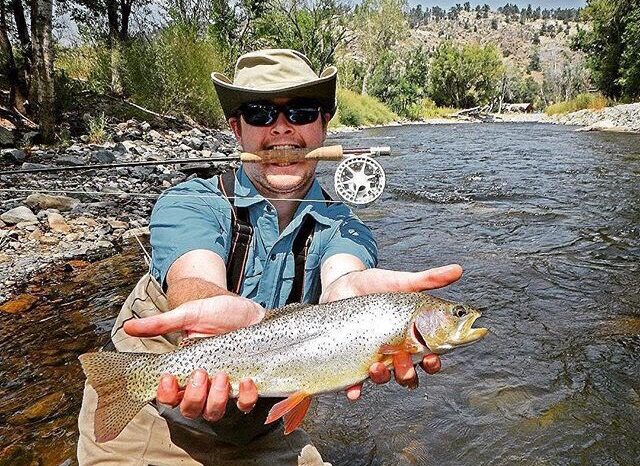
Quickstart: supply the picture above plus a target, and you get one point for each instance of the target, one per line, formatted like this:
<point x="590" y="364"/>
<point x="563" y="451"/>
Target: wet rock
<point x="46" y="201"/>
<point x="19" y="304"/>
<point x="120" y="148"/>
<point x="88" y="221"/>
<point x="17" y="215"/>
<point x="155" y="136"/>
<point x="6" y="137"/>
<point x="193" y="142"/>
<point x="142" y="231"/>
<point x="49" y="240"/>
<point x="29" y="226"/>
<point x="57" y="223"/>
<point x="30" y="137"/>
<point x="14" y="156"/>
<point x="102" y="156"/>
<point x="35" y="235"/>
<point x="70" y="160"/>
<point x="116" y="224"/>
<point x="44" y="408"/>
<point x="32" y="166"/>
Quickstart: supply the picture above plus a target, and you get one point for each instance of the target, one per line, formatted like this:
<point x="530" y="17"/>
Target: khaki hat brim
<point x="232" y="97"/>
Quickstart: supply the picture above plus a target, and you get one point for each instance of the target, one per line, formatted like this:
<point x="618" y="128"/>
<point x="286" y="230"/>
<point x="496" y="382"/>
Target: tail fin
<point x="108" y="373"/>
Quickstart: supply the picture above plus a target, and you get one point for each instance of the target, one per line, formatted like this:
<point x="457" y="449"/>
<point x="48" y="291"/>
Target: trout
<point x="295" y="352"/>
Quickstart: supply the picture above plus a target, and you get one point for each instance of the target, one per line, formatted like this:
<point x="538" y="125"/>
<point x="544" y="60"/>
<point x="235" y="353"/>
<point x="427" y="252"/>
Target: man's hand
<point x="363" y="282"/>
<point x="203" y="395"/>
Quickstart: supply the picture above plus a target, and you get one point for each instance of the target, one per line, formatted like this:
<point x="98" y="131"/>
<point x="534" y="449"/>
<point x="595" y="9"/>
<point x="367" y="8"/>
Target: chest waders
<point x="235" y="427"/>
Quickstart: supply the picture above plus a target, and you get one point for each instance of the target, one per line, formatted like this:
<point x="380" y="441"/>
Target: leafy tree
<point x="534" y="62"/>
<point x="400" y="80"/>
<point x="379" y="25"/>
<point x="464" y="76"/>
<point x="314" y="27"/>
<point x="612" y="46"/>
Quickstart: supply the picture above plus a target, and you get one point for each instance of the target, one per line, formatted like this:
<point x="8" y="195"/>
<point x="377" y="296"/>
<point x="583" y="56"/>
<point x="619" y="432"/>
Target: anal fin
<point x="293" y="410"/>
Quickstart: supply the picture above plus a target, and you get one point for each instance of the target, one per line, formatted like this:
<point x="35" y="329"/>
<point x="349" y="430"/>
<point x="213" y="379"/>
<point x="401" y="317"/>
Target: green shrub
<point x="97" y="129"/>
<point x="169" y="75"/>
<point x="427" y="109"/>
<point x="358" y="110"/>
<point x="579" y="102"/>
<point x="172" y="74"/>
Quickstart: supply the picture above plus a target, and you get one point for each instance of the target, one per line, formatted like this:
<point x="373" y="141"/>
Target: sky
<point x="549" y="4"/>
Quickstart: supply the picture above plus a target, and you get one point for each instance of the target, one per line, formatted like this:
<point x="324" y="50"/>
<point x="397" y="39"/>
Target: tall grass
<point x="170" y="74"/>
<point x="579" y="102"/>
<point x="360" y="110"/>
<point x="427" y="109"/>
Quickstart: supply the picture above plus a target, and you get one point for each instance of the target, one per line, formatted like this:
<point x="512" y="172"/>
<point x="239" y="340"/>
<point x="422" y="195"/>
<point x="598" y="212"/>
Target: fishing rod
<point x="359" y="179"/>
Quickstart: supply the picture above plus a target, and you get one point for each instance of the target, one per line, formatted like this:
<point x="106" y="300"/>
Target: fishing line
<point x="155" y="195"/>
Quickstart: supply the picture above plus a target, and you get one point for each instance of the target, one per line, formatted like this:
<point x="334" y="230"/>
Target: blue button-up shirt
<point x="196" y="215"/>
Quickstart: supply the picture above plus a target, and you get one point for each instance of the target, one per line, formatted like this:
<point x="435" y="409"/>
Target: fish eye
<point x="459" y="311"/>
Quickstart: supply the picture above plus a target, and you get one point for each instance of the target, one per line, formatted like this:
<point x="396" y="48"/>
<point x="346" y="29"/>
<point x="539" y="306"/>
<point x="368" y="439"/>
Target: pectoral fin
<point x="292" y="409"/>
<point x="404" y="347"/>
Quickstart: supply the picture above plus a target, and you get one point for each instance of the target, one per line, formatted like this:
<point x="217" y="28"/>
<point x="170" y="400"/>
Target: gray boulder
<point x="18" y="215"/>
<point x="45" y="201"/>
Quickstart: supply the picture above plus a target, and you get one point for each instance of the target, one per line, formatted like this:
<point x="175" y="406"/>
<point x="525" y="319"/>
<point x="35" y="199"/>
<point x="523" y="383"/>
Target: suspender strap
<point x="300" y="249"/>
<point x="241" y="233"/>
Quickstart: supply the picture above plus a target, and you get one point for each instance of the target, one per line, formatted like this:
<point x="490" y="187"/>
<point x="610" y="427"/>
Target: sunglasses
<point x="265" y="114"/>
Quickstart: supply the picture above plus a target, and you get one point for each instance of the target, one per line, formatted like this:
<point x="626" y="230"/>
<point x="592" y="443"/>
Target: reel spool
<point x="359" y="180"/>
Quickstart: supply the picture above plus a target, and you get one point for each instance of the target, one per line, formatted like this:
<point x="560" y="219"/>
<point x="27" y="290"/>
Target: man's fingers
<point x="195" y="394"/>
<point x="378" y="373"/>
<point x="431" y="363"/>
<point x="169" y="392"/>
<point x="218" y="397"/>
<point x="210" y="316"/>
<point x="403" y="369"/>
<point x="438" y="277"/>
<point x="354" y="392"/>
<point x="248" y="396"/>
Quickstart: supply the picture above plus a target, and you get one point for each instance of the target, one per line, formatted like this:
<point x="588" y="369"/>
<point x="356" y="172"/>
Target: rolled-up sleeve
<point x="351" y="236"/>
<point x="191" y="216"/>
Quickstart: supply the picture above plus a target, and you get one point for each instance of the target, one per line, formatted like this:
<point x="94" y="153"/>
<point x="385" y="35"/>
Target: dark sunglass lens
<point x="260" y="114"/>
<point x="302" y="115"/>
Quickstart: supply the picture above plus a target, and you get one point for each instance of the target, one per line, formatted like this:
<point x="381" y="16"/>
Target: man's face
<point x="280" y="180"/>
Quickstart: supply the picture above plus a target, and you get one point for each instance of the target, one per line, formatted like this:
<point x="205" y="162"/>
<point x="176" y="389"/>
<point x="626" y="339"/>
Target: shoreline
<point x="624" y="118"/>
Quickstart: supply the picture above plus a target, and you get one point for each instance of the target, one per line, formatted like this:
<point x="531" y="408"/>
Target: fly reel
<point x="359" y="180"/>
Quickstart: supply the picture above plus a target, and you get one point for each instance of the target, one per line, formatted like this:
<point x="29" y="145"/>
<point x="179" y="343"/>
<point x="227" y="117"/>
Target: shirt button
<point x="273" y="256"/>
<point x="263" y="304"/>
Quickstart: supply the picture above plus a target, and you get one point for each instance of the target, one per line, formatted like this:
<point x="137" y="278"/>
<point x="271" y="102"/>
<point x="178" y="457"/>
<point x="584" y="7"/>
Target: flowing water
<point x="546" y="223"/>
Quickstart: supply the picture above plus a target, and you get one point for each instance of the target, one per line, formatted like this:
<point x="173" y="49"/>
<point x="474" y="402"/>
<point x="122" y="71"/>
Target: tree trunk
<point x="42" y="83"/>
<point x="365" y="80"/>
<point x="17" y="94"/>
<point x="114" y="46"/>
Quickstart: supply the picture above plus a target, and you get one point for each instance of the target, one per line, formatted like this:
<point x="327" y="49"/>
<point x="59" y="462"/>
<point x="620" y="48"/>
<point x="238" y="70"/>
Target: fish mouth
<point x="466" y="334"/>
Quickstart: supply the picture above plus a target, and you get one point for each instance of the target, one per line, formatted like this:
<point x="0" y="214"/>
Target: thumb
<point x="210" y="316"/>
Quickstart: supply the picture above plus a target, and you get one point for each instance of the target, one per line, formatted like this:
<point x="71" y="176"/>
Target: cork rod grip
<point x="293" y="155"/>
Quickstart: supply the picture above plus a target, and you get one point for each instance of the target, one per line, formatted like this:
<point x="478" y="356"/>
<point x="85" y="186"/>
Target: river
<point x="545" y="222"/>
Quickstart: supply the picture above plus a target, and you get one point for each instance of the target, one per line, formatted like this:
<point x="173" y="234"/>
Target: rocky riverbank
<point x="623" y="118"/>
<point x="73" y="216"/>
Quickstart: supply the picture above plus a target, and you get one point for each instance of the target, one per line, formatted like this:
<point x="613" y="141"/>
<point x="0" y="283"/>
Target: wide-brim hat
<point x="267" y="74"/>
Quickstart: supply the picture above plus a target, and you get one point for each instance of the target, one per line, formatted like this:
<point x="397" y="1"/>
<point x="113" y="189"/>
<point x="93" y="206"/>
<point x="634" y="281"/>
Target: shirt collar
<point x="248" y="195"/>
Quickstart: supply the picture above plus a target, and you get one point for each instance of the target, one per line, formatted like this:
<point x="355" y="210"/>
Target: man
<point x="275" y="101"/>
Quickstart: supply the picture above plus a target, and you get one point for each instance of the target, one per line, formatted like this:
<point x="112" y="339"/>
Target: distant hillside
<point x="533" y="43"/>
